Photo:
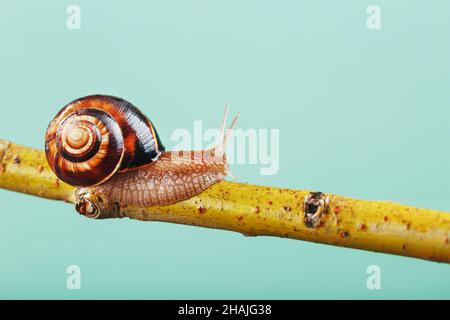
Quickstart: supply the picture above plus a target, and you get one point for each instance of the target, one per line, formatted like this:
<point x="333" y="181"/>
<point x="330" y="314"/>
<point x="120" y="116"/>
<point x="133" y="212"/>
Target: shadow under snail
<point x="111" y="151"/>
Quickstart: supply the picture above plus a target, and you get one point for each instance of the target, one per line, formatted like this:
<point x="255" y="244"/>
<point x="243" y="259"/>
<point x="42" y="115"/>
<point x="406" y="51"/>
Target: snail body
<point x="169" y="180"/>
<point x="106" y="146"/>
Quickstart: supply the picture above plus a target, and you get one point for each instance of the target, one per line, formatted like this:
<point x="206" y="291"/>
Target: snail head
<point x="91" y="203"/>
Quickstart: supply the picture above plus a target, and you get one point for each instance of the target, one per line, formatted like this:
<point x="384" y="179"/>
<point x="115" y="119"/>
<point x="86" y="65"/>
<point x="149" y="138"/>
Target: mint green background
<point x="361" y="113"/>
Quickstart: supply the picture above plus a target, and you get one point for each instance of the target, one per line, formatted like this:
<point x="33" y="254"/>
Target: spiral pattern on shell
<point x="93" y="137"/>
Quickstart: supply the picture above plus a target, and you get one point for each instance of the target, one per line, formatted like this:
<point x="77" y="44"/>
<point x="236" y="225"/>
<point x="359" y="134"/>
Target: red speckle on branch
<point x="345" y="234"/>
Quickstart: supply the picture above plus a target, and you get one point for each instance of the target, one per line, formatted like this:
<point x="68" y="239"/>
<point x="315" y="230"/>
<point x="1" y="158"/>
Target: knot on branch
<point x="315" y="205"/>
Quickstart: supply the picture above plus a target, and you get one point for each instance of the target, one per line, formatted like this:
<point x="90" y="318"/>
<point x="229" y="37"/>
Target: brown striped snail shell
<point x="93" y="137"/>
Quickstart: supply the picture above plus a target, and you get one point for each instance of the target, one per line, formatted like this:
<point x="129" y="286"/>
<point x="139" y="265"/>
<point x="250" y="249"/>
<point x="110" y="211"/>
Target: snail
<point x="112" y="153"/>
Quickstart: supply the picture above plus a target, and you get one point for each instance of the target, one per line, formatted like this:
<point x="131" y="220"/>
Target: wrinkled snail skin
<point x="105" y="146"/>
<point x="171" y="179"/>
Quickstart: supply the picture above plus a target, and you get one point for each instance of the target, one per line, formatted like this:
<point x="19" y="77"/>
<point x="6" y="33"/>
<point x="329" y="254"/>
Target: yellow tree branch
<point x="257" y="210"/>
<point x="25" y="170"/>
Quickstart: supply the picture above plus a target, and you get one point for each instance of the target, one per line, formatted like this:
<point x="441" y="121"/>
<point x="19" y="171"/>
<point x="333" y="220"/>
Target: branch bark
<point x="25" y="170"/>
<point x="257" y="210"/>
